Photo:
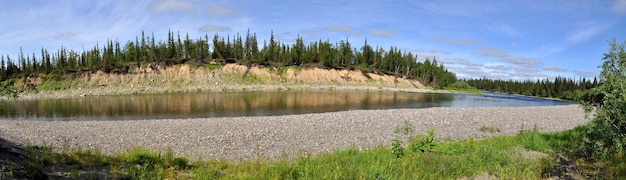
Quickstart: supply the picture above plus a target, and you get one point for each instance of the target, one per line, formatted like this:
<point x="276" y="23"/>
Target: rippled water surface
<point x="224" y="104"/>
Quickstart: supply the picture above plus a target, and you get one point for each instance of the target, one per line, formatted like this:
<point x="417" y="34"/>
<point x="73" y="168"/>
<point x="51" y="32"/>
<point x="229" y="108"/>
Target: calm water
<point x="222" y="104"/>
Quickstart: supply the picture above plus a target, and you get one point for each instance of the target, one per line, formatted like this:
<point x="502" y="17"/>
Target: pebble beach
<point x="284" y="137"/>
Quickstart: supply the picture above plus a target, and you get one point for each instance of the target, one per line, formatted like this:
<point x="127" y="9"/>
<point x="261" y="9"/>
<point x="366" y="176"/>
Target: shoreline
<point x="289" y="136"/>
<point x="225" y="78"/>
<point x="108" y="91"/>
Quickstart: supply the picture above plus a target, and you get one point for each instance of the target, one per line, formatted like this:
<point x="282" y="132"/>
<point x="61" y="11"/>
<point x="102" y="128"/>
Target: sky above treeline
<point x="519" y="40"/>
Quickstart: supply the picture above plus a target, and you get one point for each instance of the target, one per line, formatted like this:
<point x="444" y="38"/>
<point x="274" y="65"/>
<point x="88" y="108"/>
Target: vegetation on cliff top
<point x="115" y="57"/>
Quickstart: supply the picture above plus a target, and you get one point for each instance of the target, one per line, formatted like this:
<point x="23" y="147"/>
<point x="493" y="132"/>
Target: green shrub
<point x="607" y="130"/>
<point x="423" y="143"/>
<point x="9" y="92"/>
<point x="396" y="147"/>
<point x="212" y="66"/>
<point x="460" y="85"/>
<point x="252" y="78"/>
<point x="533" y="140"/>
<point x="53" y="85"/>
<point x="283" y="69"/>
<point x="489" y="129"/>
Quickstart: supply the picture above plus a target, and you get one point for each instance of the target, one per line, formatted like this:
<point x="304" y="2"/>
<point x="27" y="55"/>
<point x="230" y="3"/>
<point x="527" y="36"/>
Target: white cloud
<point x="384" y="32"/>
<point x="439" y="51"/>
<point x="499" y="67"/>
<point x="456" y="41"/>
<point x="553" y="69"/>
<point x="547" y="50"/>
<point x="214" y="28"/>
<point x="285" y="37"/>
<point x="460" y="8"/>
<point x="492" y="52"/>
<point x="449" y="61"/>
<point x="505" y="57"/>
<point x="171" y="5"/>
<point x="64" y="35"/>
<point x="585" y="73"/>
<point x="619" y="6"/>
<point x="339" y="28"/>
<point x="520" y="60"/>
<point x="505" y="29"/>
<point x="332" y="32"/>
<point x="222" y="10"/>
<point x="525" y="69"/>
<point x="587" y="31"/>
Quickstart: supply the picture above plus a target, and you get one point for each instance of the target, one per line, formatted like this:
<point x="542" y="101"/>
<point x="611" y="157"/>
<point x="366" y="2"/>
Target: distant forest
<point x="113" y="57"/>
<point x="561" y="87"/>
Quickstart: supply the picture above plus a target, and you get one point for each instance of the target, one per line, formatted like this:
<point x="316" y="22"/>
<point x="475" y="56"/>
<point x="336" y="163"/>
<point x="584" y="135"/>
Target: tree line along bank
<point x="114" y="57"/>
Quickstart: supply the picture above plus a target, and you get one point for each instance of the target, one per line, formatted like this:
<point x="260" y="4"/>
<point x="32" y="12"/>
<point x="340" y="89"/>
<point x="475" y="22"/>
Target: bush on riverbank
<point x="463" y="87"/>
<point x="605" y="141"/>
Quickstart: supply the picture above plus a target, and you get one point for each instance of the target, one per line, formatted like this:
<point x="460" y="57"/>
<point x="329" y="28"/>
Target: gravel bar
<point x="279" y="137"/>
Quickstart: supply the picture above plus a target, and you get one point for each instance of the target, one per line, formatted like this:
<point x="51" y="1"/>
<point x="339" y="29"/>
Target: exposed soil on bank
<point x="215" y="78"/>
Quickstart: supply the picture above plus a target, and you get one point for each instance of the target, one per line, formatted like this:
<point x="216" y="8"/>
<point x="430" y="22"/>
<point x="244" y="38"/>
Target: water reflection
<point x="192" y="105"/>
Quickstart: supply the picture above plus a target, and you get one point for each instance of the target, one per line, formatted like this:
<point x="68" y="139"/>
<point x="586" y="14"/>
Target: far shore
<point x="104" y="91"/>
<point x="224" y="78"/>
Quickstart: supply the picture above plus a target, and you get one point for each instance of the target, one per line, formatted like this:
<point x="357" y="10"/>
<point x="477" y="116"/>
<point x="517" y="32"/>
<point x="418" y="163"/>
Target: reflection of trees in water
<point x="212" y="104"/>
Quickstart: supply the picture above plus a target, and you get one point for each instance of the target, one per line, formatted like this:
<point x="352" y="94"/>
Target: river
<point x="262" y="103"/>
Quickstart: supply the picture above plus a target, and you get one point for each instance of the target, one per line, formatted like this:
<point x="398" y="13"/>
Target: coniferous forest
<point x="116" y="57"/>
<point x="560" y="87"/>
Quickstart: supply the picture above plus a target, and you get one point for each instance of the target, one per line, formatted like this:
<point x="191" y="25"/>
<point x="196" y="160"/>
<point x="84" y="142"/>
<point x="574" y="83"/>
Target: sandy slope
<point x="186" y="78"/>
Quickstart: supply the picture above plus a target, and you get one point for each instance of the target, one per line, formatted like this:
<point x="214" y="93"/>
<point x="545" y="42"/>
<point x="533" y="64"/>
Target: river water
<point x="225" y="104"/>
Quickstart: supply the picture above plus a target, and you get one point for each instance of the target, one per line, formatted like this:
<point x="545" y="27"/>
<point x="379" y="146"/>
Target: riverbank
<point x="279" y="137"/>
<point x="153" y="79"/>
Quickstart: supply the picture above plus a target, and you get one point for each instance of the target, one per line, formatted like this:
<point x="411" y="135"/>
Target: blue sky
<point x="518" y="40"/>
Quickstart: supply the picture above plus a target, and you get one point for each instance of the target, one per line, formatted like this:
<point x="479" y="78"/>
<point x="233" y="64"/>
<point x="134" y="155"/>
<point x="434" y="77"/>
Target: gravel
<point x="279" y="137"/>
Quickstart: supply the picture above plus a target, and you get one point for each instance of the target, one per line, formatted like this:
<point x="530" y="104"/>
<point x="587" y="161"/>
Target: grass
<point x="206" y="65"/>
<point x="212" y="66"/>
<point x="282" y="69"/>
<point x="251" y="78"/>
<point x="422" y="158"/>
<point x="464" y="91"/>
<point x="54" y="85"/>
<point x="462" y="87"/>
<point x="489" y="129"/>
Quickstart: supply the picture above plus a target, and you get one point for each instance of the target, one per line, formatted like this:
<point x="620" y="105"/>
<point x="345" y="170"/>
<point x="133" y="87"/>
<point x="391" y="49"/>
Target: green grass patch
<point x="282" y="69"/>
<point x="206" y="65"/>
<point x="422" y="157"/>
<point x="212" y="66"/>
<point x="462" y="87"/>
<point x="489" y="129"/>
<point x="54" y="85"/>
<point x="464" y="91"/>
<point x="252" y="79"/>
